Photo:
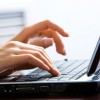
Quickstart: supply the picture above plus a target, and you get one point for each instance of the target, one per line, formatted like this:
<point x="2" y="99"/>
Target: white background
<point x="80" y="18"/>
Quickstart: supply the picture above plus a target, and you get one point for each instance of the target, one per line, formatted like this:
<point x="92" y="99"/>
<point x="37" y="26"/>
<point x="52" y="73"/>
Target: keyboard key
<point x="66" y="65"/>
<point x="59" y="63"/>
<point x="72" y="67"/>
<point x="79" y="74"/>
<point x="64" y="79"/>
<point x="58" y="77"/>
<point x="43" y="79"/>
<point x="53" y="79"/>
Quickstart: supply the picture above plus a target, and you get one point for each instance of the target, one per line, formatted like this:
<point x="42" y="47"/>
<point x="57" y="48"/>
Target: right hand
<point x="44" y="34"/>
<point x="18" y="56"/>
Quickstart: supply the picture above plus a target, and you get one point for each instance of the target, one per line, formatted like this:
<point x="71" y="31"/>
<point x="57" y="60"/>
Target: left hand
<point x="44" y="34"/>
<point x="16" y="56"/>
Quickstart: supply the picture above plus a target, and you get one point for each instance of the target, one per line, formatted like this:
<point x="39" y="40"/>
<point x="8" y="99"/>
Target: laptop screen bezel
<point x="94" y="60"/>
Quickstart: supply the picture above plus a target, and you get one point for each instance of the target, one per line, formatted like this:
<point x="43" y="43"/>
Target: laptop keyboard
<point x="69" y="70"/>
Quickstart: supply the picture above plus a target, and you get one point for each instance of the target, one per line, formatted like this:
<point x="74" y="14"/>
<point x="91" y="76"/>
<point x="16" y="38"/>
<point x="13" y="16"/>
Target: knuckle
<point x="41" y="50"/>
<point x="12" y="43"/>
<point x="37" y="54"/>
<point x="47" y="21"/>
<point x="28" y="56"/>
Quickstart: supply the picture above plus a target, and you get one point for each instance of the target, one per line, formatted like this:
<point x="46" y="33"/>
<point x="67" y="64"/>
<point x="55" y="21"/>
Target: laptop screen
<point x="94" y="60"/>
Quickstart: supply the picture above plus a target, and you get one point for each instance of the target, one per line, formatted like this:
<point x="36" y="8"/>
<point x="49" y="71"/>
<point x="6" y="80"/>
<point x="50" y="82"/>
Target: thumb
<point x="43" y="42"/>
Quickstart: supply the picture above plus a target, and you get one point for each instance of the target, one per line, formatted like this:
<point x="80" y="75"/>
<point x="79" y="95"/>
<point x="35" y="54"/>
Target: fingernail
<point x="57" y="72"/>
<point x="47" y="68"/>
<point x="54" y="71"/>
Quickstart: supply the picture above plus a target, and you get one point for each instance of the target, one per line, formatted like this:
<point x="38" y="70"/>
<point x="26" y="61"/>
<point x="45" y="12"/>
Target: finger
<point x="22" y="48"/>
<point x="43" y="42"/>
<point x="34" y="48"/>
<point x="19" y="46"/>
<point x="54" y="71"/>
<point x="29" y="32"/>
<point x="39" y="55"/>
<point x="58" y="41"/>
<point x="45" y="25"/>
<point x="42" y="51"/>
<point x="30" y="59"/>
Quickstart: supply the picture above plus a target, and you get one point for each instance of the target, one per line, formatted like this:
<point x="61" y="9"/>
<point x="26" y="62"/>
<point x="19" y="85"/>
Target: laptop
<point x="76" y="76"/>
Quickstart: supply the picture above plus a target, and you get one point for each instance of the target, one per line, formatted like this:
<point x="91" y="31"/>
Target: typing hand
<point x="18" y="56"/>
<point x="27" y="54"/>
<point x="43" y="34"/>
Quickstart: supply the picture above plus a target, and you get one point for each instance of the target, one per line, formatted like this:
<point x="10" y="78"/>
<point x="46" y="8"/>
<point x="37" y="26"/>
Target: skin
<point x="26" y="49"/>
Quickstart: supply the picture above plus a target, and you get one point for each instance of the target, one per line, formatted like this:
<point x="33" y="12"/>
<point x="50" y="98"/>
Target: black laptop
<point x="76" y="76"/>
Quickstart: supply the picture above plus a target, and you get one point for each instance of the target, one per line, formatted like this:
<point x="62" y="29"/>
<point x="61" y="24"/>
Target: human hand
<point x="17" y="56"/>
<point x="44" y="34"/>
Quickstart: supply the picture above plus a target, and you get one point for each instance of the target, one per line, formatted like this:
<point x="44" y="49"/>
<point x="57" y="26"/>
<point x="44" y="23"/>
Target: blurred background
<point x="80" y="18"/>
